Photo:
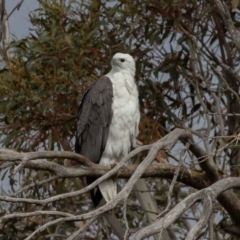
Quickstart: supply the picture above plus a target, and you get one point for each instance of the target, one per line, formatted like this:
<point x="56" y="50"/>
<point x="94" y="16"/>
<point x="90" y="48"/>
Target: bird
<point x="108" y="121"/>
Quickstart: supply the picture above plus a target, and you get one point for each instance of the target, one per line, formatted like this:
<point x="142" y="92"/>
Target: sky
<point x="19" y="20"/>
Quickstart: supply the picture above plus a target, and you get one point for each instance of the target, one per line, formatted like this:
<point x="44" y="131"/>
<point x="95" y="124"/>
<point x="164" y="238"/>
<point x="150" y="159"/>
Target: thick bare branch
<point x="192" y="178"/>
<point x="9" y="155"/>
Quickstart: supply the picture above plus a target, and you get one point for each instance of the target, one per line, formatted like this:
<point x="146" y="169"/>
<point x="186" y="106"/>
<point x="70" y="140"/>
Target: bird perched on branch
<point x="108" y="121"/>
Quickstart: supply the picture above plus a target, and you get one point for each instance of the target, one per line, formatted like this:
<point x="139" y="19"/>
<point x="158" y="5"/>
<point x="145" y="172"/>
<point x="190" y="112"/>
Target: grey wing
<point x="94" y="118"/>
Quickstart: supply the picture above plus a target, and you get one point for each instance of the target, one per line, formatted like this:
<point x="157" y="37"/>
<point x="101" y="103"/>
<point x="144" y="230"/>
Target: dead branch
<point x="192" y="178"/>
<point x="17" y="7"/>
<point x="8" y="155"/>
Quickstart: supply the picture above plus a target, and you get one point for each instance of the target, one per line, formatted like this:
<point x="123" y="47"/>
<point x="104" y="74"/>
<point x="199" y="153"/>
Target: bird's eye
<point x="122" y="60"/>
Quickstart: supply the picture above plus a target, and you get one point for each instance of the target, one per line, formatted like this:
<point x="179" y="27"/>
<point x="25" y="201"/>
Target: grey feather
<point x="94" y="119"/>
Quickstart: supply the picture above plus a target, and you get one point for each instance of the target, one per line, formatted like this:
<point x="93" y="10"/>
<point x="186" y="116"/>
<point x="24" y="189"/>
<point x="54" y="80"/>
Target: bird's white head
<point x="123" y="62"/>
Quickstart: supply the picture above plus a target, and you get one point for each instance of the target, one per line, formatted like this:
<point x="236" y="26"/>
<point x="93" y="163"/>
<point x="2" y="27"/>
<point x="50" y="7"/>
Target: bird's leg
<point x="137" y="143"/>
<point x="113" y="163"/>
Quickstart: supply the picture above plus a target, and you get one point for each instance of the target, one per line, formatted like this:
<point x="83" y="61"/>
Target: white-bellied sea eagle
<point x="108" y="120"/>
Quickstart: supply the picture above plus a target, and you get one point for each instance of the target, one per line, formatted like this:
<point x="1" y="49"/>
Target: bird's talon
<point x="113" y="163"/>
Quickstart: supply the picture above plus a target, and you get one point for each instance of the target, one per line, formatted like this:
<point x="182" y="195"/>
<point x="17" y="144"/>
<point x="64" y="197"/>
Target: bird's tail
<point x="108" y="188"/>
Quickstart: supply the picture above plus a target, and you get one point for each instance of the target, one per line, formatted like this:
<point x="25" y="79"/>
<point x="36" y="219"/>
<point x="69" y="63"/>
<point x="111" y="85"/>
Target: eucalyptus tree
<point x="187" y="55"/>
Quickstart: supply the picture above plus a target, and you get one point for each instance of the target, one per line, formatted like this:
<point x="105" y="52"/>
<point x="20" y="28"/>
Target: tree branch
<point x="79" y="232"/>
<point x="206" y="195"/>
<point x="225" y="14"/>
<point x="30" y="214"/>
<point x="232" y="229"/>
<point x="228" y="199"/>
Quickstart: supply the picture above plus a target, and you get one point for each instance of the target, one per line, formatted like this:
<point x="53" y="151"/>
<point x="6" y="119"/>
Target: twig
<point x="17" y="7"/>
<point x="176" y="174"/>
<point x="83" y="229"/>
<point x="211" y="227"/>
<point x="34" y="184"/>
<point x="125" y="220"/>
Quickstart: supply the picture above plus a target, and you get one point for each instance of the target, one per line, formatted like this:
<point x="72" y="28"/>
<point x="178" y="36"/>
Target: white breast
<point x="126" y="116"/>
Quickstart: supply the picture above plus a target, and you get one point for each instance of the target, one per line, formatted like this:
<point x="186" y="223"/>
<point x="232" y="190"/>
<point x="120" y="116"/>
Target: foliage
<point x="187" y="77"/>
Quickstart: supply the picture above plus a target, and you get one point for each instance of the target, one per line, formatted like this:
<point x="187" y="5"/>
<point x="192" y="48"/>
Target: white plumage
<point x="123" y="129"/>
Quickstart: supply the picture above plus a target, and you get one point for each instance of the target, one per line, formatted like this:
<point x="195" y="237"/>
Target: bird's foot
<point x="113" y="163"/>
